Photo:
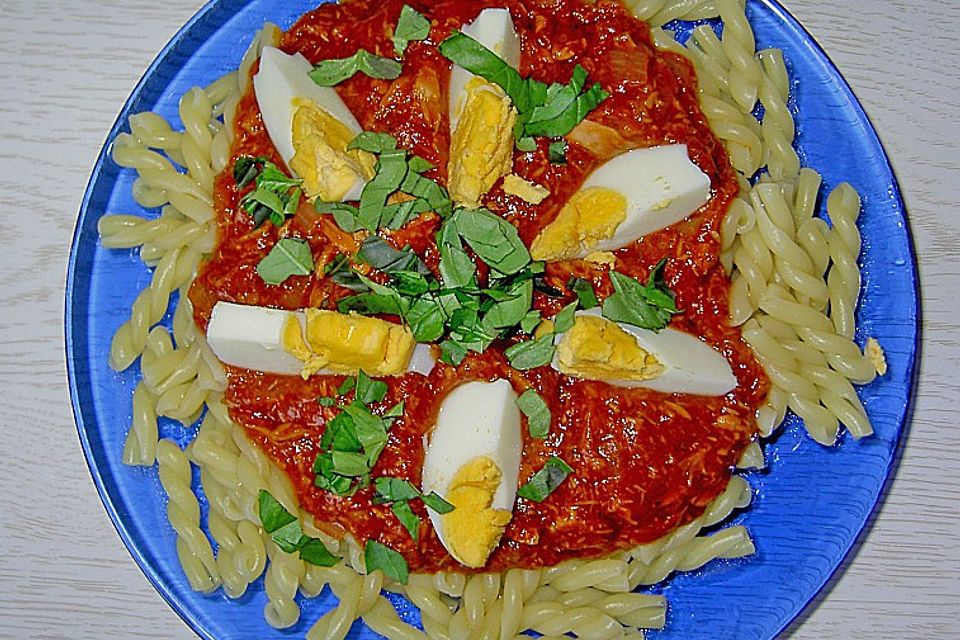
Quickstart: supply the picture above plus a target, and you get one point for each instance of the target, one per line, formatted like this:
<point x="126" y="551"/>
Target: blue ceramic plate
<point x="811" y="503"/>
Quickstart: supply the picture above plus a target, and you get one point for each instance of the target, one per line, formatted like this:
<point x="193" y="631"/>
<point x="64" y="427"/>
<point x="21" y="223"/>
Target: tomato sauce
<point x="644" y="462"/>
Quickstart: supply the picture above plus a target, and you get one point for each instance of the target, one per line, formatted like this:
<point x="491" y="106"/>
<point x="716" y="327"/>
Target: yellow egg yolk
<point x="348" y="343"/>
<point x="473" y="529"/>
<point x="591" y="215"/>
<point x="597" y="349"/>
<point x="527" y="191"/>
<point x="321" y="157"/>
<point x="481" y="145"/>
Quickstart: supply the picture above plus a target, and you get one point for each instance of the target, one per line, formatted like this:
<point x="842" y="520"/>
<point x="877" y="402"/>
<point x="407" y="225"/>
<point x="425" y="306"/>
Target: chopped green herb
<point x="545" y="481"/>
<point x="276" y="195"/>
<point x="585" y="293"/>
<point x="326" y="402"/>
<point x="564" y="320"/>
<point x="493" y="239"/>
<point x="409" y="520"/>
<point x="530" y="321"/>
<point x="370" y="390"/>
<point x="530" y="354"/>
<point x="411" y="26"/>
<point x="378" y="556"/>
<point x="457" y="268"/>
<point x="346" y="386"/>
<point x="394" y="489"/>
<point x="649" y="306"/>
<point x="541" y="110"/>
<point x="284" y="528"/>
<point x="557" y="152"/>
<point x="437" y="503"/>
<point x="331" y="72"/>
<point x="511" y="310"/>
<point x="289" y="257"/>
<point x="373" y="142"/>
<point x="538" y="413"/>
<point x="526" y="144"/>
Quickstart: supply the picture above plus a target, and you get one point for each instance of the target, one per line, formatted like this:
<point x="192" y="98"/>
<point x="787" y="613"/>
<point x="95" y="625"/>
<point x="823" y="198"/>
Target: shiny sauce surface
<point x="644" y="462"/>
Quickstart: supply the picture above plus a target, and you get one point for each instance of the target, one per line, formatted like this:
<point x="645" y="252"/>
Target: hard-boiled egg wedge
<point x="473" y="461"/>
<point x="311" y="127"/>
<point x="669" y="361"/>
<point x="481" y="115"/>
<point x="629" y="196"/>
<point x="312" y="341"/>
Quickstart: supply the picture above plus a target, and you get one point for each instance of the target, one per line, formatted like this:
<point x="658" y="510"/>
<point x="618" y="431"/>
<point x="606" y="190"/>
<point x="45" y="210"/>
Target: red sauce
<point x="644" y="462"/>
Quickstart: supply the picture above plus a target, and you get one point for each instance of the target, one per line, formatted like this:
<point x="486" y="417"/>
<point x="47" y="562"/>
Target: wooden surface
<point x="65" y="70"/>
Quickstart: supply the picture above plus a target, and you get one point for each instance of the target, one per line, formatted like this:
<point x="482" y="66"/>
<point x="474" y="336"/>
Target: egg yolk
<point x="321" y="156"/>
<point x="473" y="529"/>
<point x="597" y="349"/>
<point x="481" y="146"/>
<point x="348" y="343"/>
<point x="527" y="191"/>
<point x="591" y="215"/>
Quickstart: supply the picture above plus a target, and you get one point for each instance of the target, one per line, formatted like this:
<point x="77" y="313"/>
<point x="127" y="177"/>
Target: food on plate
<point x="476" y="306"/>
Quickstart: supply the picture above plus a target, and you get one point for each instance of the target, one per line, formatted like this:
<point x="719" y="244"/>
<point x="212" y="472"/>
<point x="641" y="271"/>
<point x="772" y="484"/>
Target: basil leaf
<point x="328" y="73"/>
<point x="573" y="112"/>
<point x="511" y="311"/>
<point x="564" y="320"/>
<point x="316" y="553"/>
<point x="326" y="402"/>
<point x="391" y="168"/>
<point x="345" y="215"/>
<point x="245" y="169"/>
<point x="647" y="306"/>
<point x="557" y="152"/>
<point x="457" y="268"/>
<point x="381" y="255"/>
<point x="395" y="411"/>
<point x="493" y="239"/>
<point x="530" y="354"/>
<point x="409" y="520"/>
<point x="394" y="489"/>
<point x="410" y="26"/>
<point x="463" y="50"/>
<point x="340" y="434"/>
<point x="452" y="352"/>
<point x="530" y="321"/>
<point x="273" y="515"/>
<point x="348" y="385"/>
<point x="347" y="463"/>
<point x="288" y="537"/>
<point x="437" y="503"/>
<point x="289" y="257"/>
<point x="373" y="142"/>
<point x="545" y="481"/>
<point x="419" y="165"/>
<point x="370" y="390"/>
<point x="426" y="320"/>
<point x="377" y="556"/>
<point x="538" y="413"/>
<point x="586" y="296"/>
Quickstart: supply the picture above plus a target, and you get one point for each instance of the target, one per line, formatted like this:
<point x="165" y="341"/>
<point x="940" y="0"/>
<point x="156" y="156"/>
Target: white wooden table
<point x="66" y="68"/>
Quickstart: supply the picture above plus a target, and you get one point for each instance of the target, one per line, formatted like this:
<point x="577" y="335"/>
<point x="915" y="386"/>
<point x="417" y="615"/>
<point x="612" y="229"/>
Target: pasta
<point x="794" y="289"/>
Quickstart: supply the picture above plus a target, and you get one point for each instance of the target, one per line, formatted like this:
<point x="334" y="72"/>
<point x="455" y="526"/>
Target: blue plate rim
<point x="72" y="344"/>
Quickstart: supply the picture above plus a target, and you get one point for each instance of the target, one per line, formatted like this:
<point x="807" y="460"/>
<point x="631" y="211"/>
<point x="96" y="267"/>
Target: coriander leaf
<point x="289" y="257"/>
<point x="410" y="26"/>
<point x="647" y="306"/>
<point x="545" y="481"/>
<point x="564" y="320"/>
<point x="493" y="239"/>
<point x="557" y="152"/>
<point x="409" y="520"/>
<point x="370" y="390"/>
<point x="273" y="515"/>
<point x="530" y="354"/>
<point x="316" y="553"/>
<point x="585" y="293"/>
<point x="538" y="413"/>
<point x="437" y="503"/>
<point x="394" y="489"/>
<point x="377" y="556"/>
<point x="328" y="73"/>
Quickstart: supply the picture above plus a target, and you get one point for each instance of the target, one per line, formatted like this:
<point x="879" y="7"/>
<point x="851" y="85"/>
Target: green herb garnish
<point x="410" y="26"/>
<point x="586" y="296"/>
<point x="542" y="110"/>
<point x="557" y="152"/>
<point x="328" y="73"/>
<point x="545" y="481"/>
<point x="538" y="413"/>
<point x="289" y="257"/>
<point x="276" y="196"/>
<point x="378" y="556"/>
<point x="530" y="354"/>
<point x="649" y="306"/>
<point x="284" y="528"/>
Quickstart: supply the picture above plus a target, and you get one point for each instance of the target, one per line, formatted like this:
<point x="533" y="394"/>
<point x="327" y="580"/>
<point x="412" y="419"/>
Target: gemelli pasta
<point x="794" y="288"/>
